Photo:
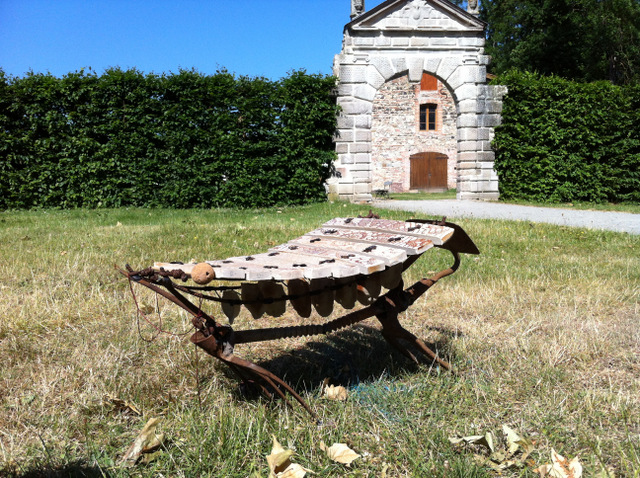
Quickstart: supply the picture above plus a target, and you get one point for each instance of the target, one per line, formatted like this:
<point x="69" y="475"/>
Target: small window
<point x="428" y="117"/>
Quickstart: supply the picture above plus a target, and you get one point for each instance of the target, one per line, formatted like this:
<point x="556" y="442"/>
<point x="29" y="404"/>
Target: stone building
<point x="417" y="113"/>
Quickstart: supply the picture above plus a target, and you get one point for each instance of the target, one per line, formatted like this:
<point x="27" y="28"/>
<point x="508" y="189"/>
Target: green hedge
<point x="181" y="140"/>
<point x="563" y="141"/>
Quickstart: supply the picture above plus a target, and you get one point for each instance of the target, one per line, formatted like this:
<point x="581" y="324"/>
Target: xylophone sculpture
<point x="347" y="260"/>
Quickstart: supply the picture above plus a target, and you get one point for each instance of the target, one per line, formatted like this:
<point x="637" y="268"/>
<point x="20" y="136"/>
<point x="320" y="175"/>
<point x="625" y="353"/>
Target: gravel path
<point x="452" y="208"/>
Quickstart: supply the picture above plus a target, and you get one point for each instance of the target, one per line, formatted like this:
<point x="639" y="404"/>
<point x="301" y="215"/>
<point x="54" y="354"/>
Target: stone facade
<point x="395" y="133"/>
<point x="407" y="38"/>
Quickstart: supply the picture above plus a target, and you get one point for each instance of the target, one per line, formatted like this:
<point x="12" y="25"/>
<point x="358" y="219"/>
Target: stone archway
<point x="409" y="37"/>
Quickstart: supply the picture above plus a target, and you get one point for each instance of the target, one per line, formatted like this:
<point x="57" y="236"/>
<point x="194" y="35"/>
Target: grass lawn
<point x="542" y="330"/>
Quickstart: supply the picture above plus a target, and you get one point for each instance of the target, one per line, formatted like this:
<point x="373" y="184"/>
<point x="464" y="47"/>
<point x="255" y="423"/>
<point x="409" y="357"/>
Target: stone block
<point x="467" y="120"/>
<point x="486" y="166"/>
<point x="345" y="159"/>
<point x="366" y="41"/>
<point x="362" y="188"/>
<point x="374" y="78"/>
<point x="415" y="66"/>
<point x="382" y="41"/>
<point x="489" y="120"/>
<point x="353" y="73"/>
<point x="360" y="147"/>
<point x="345" y="189"/>
<point x="486" y="156"/>
<point x="361" y="177"/>
<point x="467" y="166"/>
<point x="362" y="121"/>
<point x="356" y="107"/>
<point x="399" y="42"/>
<point x="345" y="135"/>
<point x="419" y="42"/>
<point x="483" y="134"/>
<point x="493" y="106"/>
<point x="364" y="92"/>
<point x="443" y="42"/>
<point x="475" y="41"/>
<point x="346" y="122"/>
<point x="362" y="135"/>
<point x="455" y="80"/>
<point x="466" y="157"/>
<point x="464" y="146"/>
<point x="345" y="89"/>
<point x="447" y="66"/>
<point x="468" y="186"/>
<point x="468" y="106"/>
<point x="484" y="146"/>
<point x="431" y="65"/>
<point x="466" y="134"/>
<point x="473" y="74"/>
<point x="399" y="64"/>
<point x="384" y="67"/>
<point x="342" y="148"/>
<point x="467" y="92"/>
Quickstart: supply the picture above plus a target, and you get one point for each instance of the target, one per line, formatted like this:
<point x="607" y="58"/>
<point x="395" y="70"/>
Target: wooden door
<point x="428" y="171"/>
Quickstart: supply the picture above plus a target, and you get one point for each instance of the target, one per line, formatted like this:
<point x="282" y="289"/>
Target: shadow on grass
<point x="71" y="470"/>
<point x="347" y="358"/>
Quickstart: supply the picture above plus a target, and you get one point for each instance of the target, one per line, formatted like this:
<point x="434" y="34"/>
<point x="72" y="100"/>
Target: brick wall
<point x="395" y="134"/>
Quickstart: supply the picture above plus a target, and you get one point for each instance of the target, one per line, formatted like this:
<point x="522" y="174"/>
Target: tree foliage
<point x="563" y="141"/>
<point x="181" y="140"/>
<point x="585" y="40"/>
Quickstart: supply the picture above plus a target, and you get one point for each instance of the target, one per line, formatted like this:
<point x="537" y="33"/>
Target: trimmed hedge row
<point x="563" y="141"/>
<point x="181" y="140"/>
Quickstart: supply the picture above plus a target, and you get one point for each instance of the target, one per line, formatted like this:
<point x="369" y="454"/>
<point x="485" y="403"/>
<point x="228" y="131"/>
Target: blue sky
<point x="248" y="37"/>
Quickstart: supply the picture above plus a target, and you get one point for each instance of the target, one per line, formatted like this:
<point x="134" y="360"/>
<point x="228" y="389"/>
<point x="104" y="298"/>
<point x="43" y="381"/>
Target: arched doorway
<point x="428" y="171"/>
<point x="413" y="135"/>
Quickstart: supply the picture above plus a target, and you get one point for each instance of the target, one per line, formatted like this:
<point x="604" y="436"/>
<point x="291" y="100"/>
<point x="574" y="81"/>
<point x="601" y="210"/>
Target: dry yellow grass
<point x="542" y="329"/>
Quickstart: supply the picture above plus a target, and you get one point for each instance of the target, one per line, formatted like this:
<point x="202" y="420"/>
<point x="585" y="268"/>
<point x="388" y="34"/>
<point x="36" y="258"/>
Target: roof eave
<point x="480" y="25"/>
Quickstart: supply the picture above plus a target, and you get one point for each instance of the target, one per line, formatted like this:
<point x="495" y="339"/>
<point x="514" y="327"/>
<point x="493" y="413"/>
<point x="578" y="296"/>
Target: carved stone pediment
<point x="417" y="15"/>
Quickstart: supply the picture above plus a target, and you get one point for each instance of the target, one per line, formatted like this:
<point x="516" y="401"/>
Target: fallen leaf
<point x="513" y="439"/>
<point x="122" y="405"/>
<point x="339" y="452"/>
<point x="147" y="309"/>
<point x="560" y="467"/>
<point x="293" y="471"/>
<point x="280" y="465"/>
<point x="333" y="392"/>
<point x="147" y="441"/>
<point x="485" y="440"/>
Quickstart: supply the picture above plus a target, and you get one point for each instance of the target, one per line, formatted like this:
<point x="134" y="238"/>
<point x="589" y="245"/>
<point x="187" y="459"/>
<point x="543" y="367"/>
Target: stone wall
<point x="395" y="134"/>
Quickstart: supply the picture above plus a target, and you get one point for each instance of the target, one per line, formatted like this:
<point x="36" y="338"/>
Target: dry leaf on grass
<point x="122" y="405"/>
<point x="485" y="440"/>
<point x="280" y="465"/>
<point x="333" y="392"/>
<point x="499" y="454"/>
<point x="147" y="441"/>
<point x="560" y="467"/>
<point x="339" y="452"/>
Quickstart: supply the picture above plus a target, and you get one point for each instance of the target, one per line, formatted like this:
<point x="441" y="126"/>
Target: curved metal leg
<point x="224" y="352"/>
<point x="393" y="332"/>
